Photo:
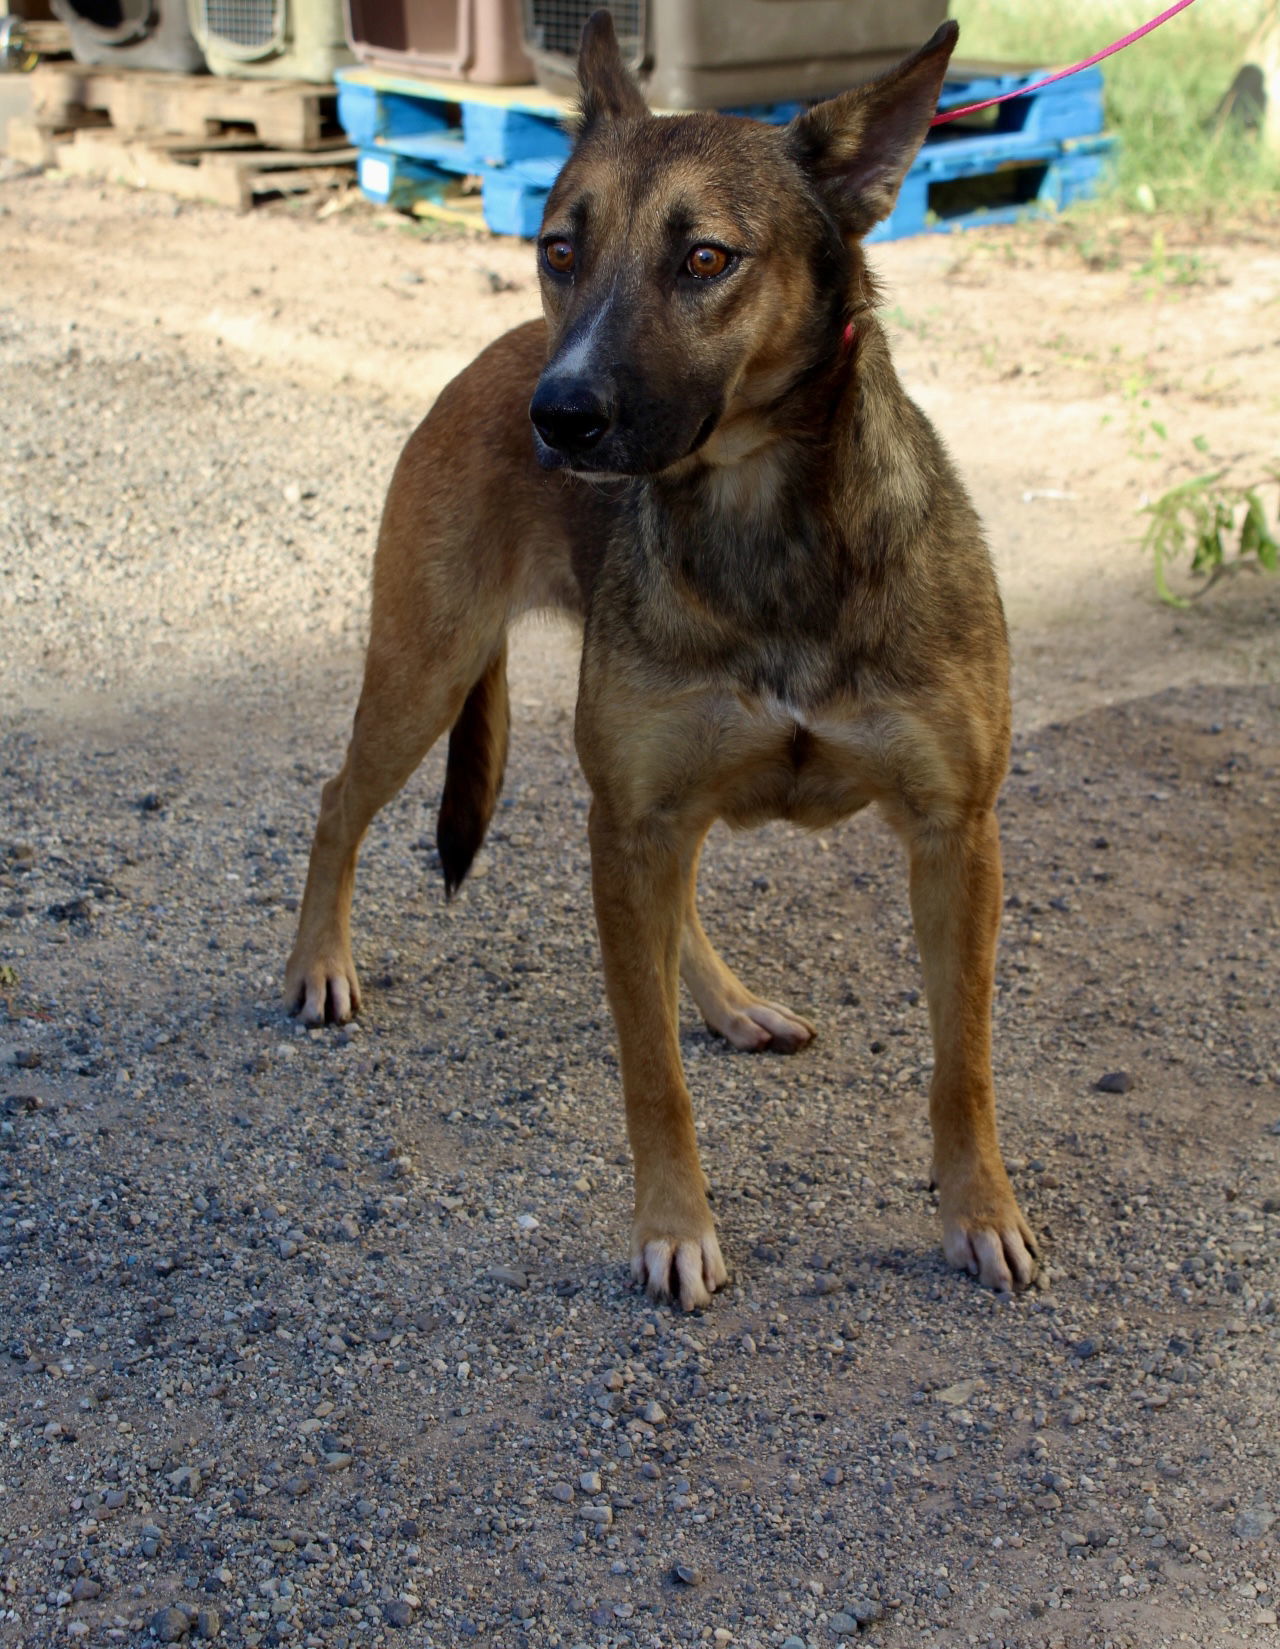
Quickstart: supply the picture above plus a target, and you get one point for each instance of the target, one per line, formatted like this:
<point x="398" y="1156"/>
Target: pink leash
<point x="1107" y="51"/>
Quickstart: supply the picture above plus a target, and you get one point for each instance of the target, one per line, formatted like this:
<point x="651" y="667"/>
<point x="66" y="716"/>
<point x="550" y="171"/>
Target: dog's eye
<point x="559" y="256"/>
<point x="706" y="262"/>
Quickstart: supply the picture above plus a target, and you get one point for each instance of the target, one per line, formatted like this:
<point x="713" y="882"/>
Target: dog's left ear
<point x="859" y="146"/>
<point x="608" y="91"/>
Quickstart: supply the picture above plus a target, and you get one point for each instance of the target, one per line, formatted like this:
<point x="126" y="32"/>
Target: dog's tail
<point x="473" y="772"/>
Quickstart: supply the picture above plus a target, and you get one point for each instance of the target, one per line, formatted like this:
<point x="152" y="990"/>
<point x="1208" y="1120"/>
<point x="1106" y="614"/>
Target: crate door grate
<point x="244" y="28"/>
<point x="556" y="26"/>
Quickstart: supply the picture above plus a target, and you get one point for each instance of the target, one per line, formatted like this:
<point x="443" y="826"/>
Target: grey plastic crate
<point x="137" y="34"/>
<point x="721" y="54"/>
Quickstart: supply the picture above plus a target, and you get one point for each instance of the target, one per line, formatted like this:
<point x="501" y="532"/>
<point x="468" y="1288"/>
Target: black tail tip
<point x="457" y="850"/>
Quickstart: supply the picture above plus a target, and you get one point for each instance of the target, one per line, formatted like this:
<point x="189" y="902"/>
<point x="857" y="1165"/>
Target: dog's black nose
<point x="571" y="421"/>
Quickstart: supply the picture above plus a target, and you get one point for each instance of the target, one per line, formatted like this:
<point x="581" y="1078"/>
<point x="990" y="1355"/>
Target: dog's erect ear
<point x="859" y="146"/>
<point x="608" y="91"/>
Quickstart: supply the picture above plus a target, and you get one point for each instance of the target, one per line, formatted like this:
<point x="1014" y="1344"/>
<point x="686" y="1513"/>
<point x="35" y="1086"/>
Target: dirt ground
<point x="326" y="1338"/>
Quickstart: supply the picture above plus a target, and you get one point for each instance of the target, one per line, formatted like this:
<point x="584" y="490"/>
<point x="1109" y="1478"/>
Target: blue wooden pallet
<point x="416" y="138"/>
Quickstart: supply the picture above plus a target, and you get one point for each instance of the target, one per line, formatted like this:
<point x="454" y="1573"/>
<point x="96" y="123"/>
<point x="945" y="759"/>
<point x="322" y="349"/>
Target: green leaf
<point x="1162" y="583"/>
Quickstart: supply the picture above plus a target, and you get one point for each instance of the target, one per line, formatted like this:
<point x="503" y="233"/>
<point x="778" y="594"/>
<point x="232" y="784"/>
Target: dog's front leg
<point x="955" y="901"/>
<point x="637" y="877"/>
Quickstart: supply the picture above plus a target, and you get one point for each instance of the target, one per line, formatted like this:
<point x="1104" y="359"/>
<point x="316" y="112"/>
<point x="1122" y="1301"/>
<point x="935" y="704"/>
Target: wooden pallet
<point x="228" y="171"/>
<point x="284" y="114"/>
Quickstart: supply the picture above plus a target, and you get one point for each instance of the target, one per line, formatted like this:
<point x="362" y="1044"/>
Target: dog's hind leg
<point x="412" y="693"/>
<point x="955" y="902"/>
<point x="729" y="1008"/>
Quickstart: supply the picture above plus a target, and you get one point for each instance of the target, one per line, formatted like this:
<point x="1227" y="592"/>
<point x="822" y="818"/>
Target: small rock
<point x="686" y="1575"/>
<point x="589" y="1482"/>
<point x="601" y="1516"/>
<point x="563" y="1492"/>
<point x="1253" y="1522"/>
<point x="490" y="281"/>
<point x="84" y="1589"/>
<point x="208" y="1623"/>
<point x="170" y="1625"/>
<point x="1114" y="1082"/>
<point x="832" y="1476"/>
<point x="337" y="1460"/>
<point x="653" y="1414"/>
<point x="397" y="1612"/>
<point x="510" y="1276"/>
<point x="958" y="1395"/>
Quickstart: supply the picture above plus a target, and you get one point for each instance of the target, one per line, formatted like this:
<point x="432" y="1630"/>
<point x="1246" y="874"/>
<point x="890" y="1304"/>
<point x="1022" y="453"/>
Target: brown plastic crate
<point x="476" y="40"/>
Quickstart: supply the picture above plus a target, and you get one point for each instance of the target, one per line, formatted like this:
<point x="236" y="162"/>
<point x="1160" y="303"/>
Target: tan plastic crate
<point x="476" y="40"/>
<point x="279" y="39"/>
<point x="718" y="54"/>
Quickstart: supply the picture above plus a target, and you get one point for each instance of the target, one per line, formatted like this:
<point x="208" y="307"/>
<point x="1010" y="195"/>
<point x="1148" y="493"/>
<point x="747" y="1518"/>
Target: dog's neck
<point x="803" y="443"/>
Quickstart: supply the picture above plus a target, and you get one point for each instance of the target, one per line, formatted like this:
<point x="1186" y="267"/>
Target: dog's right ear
<point x="608" y="91"/>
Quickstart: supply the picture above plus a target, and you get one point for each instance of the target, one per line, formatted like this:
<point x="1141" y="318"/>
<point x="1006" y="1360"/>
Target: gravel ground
<point x="326" y="1338"/>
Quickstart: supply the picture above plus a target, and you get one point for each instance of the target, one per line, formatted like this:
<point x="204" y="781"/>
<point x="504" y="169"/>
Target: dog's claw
<point x="688" y="1269"/>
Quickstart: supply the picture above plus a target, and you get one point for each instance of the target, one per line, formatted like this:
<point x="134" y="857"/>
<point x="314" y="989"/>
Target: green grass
<point x="1161" y="94"/>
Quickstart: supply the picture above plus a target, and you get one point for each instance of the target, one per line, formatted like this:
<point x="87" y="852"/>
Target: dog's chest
<point x="766" y="758"/>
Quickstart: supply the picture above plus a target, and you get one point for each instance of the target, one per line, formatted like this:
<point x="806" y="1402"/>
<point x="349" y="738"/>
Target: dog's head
<point x="694" y="268"/>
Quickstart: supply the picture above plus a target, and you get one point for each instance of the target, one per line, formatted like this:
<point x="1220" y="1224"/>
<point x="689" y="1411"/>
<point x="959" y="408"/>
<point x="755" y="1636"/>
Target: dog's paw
<point x="322" y="988"/>
<point x="984" y="1233"/>
<point x="1005" y="1259"/>
<point x="988" y="1237"/>
<point x="687" y="1269"/>
<point x="753" y="1026"/>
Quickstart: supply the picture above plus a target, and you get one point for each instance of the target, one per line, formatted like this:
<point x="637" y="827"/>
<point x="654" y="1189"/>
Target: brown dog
<point x="789" y="608"/>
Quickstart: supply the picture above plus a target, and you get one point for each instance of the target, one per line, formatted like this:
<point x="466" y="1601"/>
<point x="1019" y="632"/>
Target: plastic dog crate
<point x="477" y="40"/>
<point x="280" y="39"/>
<point x="137" y="34"/>
<point x="710" y="54"/>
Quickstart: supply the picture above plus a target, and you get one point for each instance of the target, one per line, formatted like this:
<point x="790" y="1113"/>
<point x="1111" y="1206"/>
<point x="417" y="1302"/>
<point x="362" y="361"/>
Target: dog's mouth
<point x="608" y="463"/>
<point x="705" y="431"/>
